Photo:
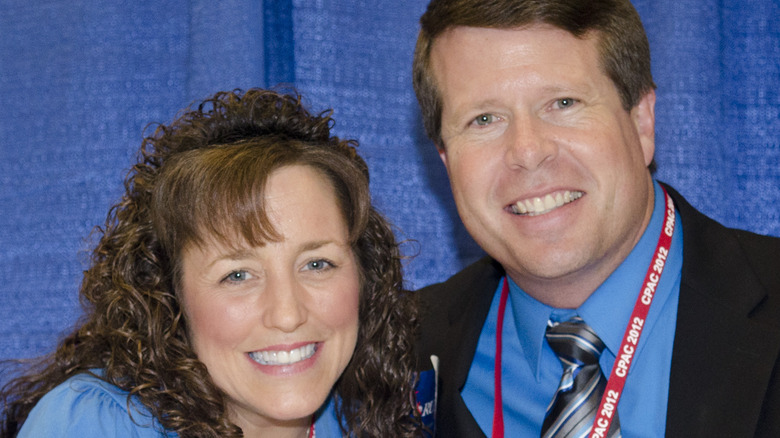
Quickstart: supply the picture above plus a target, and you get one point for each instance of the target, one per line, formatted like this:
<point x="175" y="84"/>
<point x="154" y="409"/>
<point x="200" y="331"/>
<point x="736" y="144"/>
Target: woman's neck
<point x="284" y="429"/>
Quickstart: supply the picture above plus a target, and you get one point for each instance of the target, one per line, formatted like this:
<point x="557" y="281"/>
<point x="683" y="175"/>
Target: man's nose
<point x="529" y="143"/>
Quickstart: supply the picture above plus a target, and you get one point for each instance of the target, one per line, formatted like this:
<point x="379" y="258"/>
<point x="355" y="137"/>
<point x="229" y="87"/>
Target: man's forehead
<point x="462" y="47"/>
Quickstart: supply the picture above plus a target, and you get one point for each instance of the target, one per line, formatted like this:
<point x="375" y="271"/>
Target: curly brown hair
<point x="197" y="178"/>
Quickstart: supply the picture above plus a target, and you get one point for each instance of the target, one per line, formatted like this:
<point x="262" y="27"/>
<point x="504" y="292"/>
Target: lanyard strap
<point x="498" y="407"/>
<point x="625" y="355"/>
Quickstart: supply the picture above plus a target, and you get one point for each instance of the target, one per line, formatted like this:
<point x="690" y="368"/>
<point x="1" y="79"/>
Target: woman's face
<point x="277" y="324"/>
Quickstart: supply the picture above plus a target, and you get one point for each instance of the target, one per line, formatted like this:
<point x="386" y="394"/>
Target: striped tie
<point x="573" y="409"/>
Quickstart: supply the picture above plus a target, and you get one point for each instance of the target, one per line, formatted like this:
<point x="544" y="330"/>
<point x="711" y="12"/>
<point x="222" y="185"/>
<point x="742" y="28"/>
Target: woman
<point x="243" y="286"/>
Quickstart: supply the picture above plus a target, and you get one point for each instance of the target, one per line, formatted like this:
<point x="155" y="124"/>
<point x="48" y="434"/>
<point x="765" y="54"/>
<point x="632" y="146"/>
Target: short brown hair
<point x="625" y="52"/>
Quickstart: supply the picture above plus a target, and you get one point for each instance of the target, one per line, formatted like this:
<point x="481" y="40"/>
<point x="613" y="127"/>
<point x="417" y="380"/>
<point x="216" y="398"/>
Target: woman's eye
<point x="484" y="119"/>
<point x="318" y="265"/>
<point x="237" y="276"/>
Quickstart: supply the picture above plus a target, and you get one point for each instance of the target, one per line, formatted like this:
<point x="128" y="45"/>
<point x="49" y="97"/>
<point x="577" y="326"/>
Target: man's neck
<point x="571" y="290"/>
<point x="562" y="293"/>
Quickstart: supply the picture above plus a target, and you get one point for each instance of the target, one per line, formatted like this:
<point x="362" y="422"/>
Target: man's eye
<point x="484" y="119"/>
<point x="566" y="102"/>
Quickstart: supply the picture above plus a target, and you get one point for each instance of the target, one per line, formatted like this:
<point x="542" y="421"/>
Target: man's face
<point x="548" y="170"/>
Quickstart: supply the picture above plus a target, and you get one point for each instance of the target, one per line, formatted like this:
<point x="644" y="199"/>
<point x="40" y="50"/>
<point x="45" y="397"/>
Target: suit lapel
<point x="722" y="357"/>
<point x="472" y="296"/>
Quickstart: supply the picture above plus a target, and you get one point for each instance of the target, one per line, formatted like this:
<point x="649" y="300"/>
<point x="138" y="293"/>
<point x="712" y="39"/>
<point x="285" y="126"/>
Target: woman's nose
<point x="284" y="304"/>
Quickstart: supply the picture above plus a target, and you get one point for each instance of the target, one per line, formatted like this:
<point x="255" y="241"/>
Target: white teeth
<point x="537" y="206"/>
<point x="549" y="202"/>
<point x="283" y="357"/>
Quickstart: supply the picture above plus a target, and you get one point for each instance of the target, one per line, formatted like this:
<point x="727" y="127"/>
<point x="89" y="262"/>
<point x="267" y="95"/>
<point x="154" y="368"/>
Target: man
<point x="543" y="114"/>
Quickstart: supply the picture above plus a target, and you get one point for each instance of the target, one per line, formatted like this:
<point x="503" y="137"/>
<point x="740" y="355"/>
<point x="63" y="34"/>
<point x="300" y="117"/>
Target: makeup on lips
<point x="284" y="357"/>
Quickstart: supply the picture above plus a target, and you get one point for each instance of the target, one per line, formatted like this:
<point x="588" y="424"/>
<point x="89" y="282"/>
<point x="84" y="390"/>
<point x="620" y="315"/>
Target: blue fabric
<point x="531" y="371"/>
<point x="86" y="407"/>
<point x="327" y="424"/>
<point x="80" y="80"/>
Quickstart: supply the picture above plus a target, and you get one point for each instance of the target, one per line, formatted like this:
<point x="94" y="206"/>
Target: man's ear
<point x="442" y="154"/>
<point x="643" y="115"/>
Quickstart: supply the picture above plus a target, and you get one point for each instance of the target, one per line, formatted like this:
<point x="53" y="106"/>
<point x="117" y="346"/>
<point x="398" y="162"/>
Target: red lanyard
<point x="498" y="407"/>
<point x="625" y="355"/>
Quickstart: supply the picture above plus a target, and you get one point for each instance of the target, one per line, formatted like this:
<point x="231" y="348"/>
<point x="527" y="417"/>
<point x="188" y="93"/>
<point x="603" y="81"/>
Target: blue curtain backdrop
<point x="79" y="81"/>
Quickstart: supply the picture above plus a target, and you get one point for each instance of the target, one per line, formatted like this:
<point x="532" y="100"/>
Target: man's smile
<point x="541" y="205"/>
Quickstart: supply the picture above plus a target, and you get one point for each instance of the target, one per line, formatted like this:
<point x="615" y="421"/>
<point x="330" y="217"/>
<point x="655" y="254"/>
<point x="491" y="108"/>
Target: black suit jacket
<point x="725" y="373"/>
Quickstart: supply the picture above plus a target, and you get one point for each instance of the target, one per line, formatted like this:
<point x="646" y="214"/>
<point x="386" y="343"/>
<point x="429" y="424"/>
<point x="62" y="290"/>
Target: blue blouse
<point x="84" y="406"/>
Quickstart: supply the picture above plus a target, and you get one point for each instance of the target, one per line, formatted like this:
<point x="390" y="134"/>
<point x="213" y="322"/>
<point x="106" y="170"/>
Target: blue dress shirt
<point x="531" y="371"/>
